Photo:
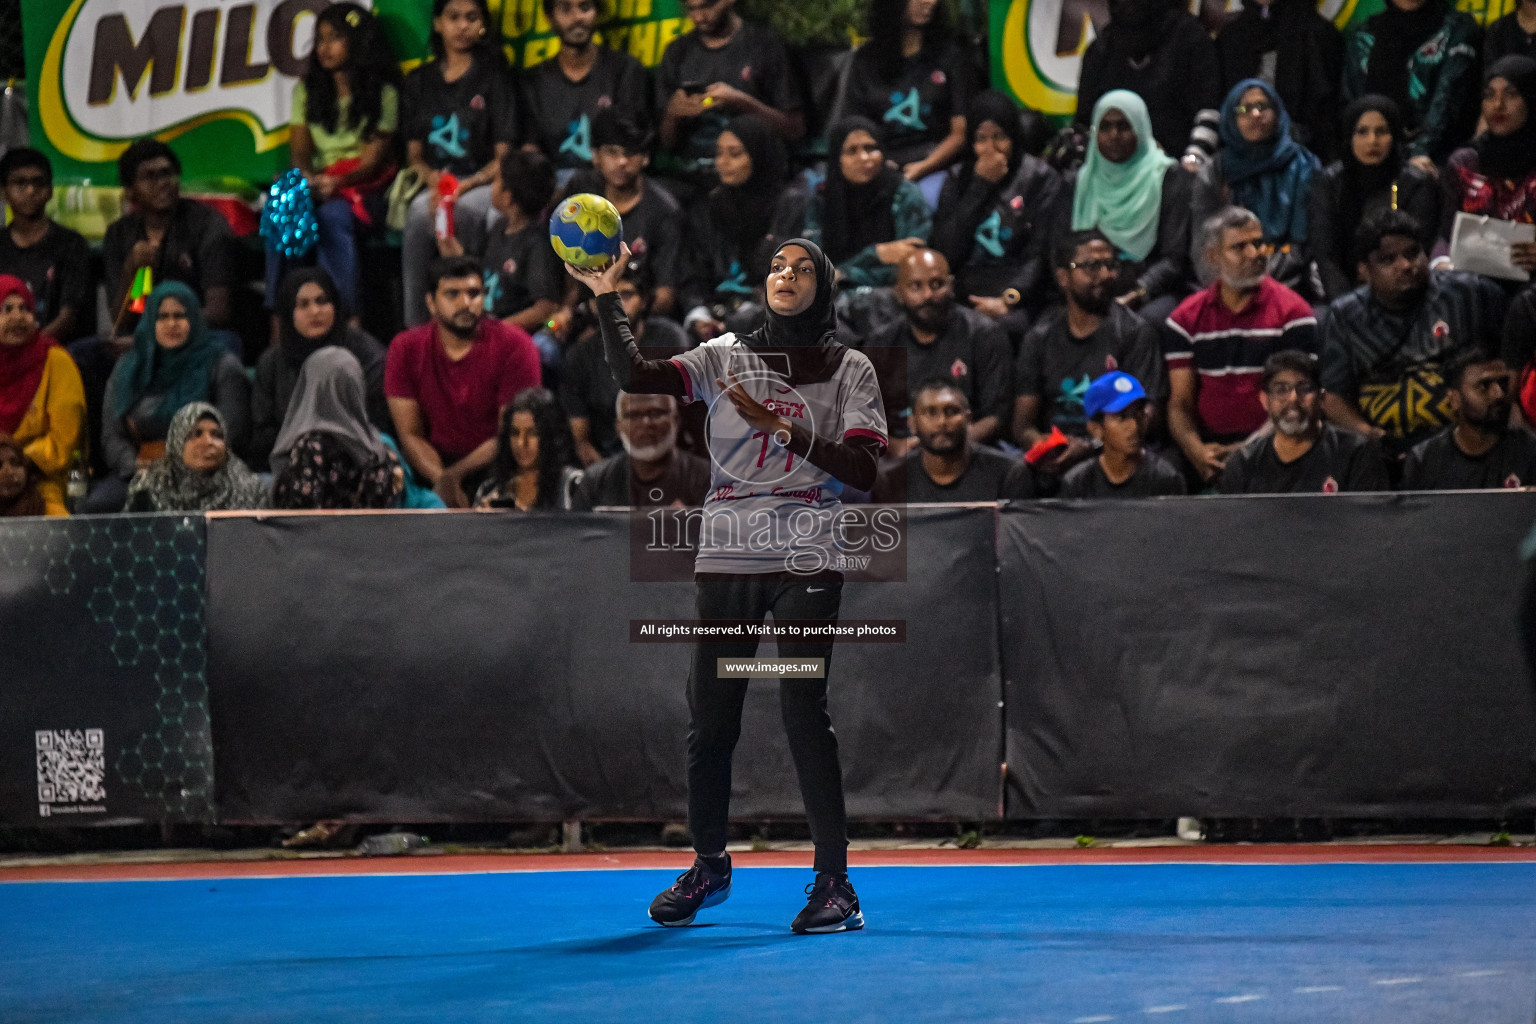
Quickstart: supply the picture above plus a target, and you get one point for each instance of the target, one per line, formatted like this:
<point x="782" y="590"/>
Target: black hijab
<point x="1399" y="34"/>
<point x="1511" y="156"/>
<point x="994" y="106"/>
<point x="1360" y="180"/>
<point x="854" y="217"/>
<point x="808" y="340"/>
<point x="743" y="213"/>
<point x="293" y="346"/>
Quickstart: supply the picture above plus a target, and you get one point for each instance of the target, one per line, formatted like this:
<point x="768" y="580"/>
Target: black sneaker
<point x="695" y="889"/>
<point x="833" y="907"/>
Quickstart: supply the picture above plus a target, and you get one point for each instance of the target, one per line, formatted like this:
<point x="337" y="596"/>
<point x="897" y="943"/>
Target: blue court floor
<point x="1075" y="944"/>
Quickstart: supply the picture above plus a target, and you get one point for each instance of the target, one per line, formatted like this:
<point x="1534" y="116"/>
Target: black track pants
<point x="715" y="709"/>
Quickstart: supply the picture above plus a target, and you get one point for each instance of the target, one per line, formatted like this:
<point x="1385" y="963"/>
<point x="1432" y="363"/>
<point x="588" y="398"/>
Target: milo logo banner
<point x="1037" y="45"/>
<point x="216" y="77"/>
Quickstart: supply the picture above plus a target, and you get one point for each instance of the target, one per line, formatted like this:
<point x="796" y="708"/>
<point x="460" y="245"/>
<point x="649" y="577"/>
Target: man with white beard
<point x="1217" y="341"/>
<point x="650" y="470"/>
<point x="1303" y="454"/>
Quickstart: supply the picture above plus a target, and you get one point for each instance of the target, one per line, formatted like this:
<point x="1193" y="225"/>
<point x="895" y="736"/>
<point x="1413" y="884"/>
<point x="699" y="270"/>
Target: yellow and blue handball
<point x="586" y="231"/>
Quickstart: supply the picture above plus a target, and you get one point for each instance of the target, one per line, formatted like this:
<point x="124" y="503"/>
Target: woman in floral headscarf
<point x="198" y="473"/>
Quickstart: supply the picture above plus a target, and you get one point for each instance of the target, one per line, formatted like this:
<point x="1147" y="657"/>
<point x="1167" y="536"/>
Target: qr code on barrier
<point x="71" y="766"/>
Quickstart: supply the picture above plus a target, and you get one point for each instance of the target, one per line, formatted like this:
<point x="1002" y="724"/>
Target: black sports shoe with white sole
<point x="695" y="889"/>
<point x="833" y="907"/>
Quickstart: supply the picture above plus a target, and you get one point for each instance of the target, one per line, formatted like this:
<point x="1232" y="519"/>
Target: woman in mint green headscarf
<point x="174" y="361"/>
<point x="1139" y="197"/>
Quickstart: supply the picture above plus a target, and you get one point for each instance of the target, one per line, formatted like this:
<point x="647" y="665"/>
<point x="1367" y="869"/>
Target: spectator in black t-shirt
<point x="621" y="152"/>
<point x="460" y="119"/>
<point x="1303" y="454"/>
<point x="724" y="68"/>
<point x="939" y="339"/>
<point x="1513" y="33"/>
<point x="563" y="94"/>
<point x="1480" y="451"/>
<point x="913" y="78"/>
<point x="1118" y="415"/>
<point x="1162" y="54"/>
<point x="650" y="470"/>
<point x="53" y="260"/>
<point x="178" y="239"/>
<point x="523" y="278"/>
<point x="1091" y="336"/>
<point x="947" y="465"/>
<point x="587" y="387"/>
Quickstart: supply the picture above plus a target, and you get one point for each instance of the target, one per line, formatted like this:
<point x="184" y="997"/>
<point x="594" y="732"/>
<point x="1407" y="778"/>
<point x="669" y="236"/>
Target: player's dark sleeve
<point x="633" y="372"/>
<point x="856" y="461"/>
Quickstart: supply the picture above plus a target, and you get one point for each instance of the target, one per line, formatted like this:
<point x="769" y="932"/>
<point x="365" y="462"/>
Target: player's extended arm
<point x="633" y="372"/>
<point x="856" y="461"/>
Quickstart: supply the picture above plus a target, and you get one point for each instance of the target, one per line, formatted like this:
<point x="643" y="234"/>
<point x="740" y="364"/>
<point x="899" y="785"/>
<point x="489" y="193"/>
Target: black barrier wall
<point x="433" y="666"/>
<point x="1347" y="655"/>
<point x="104" y="713"/>
<point x="1309" y="656"/>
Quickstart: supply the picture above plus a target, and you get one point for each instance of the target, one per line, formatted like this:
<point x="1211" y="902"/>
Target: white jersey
<point x="769" y="510"/>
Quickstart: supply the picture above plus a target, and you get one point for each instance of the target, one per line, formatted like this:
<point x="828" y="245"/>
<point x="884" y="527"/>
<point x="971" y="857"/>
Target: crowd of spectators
<point x="1232" y="273"/>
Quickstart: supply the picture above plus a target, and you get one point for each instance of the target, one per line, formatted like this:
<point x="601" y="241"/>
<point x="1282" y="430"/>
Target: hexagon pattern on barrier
<point x="153" y="609"/>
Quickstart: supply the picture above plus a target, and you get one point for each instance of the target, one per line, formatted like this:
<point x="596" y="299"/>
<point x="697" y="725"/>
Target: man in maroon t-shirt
<point x="448" y="380"/>
<point x="1218" y="339"/>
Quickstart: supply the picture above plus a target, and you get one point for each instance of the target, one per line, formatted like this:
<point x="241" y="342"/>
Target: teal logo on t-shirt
<point x="1071" y="397"/>
<point x="447" y="137"/>
<point x="907" y="110"/>
<point x="492" y="281"/>
<point x="578" y="142"/>
<point x="989" y="234"/>
<point x="735" y="280"/>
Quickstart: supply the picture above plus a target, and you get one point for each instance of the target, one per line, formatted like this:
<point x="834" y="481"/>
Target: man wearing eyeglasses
<point x="1480" y="451"/>
<point x="1303" y="454"/>
<point x="1072" y="346"/>
<point x="1218" y="339"/>
<point x="650" y="470"/>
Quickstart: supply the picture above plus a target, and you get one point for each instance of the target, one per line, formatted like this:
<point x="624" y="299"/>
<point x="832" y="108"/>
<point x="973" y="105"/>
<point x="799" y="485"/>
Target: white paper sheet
<point x="1480" y="245"/>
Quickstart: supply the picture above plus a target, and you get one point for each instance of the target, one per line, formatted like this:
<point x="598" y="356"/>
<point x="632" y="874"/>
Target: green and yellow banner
<point x="216" y="76"/>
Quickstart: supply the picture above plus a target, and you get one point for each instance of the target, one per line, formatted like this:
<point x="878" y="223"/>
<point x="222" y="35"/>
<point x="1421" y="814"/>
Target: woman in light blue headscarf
<point x="1138" y="196"/>
<point x="1264" y="170"/>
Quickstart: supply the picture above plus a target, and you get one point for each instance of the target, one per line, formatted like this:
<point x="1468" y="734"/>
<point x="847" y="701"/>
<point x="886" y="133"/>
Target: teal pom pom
<point x="288" y="218"/>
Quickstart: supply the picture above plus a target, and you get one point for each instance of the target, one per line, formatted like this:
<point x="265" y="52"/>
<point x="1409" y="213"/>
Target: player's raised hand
<point x="605" y="279"/>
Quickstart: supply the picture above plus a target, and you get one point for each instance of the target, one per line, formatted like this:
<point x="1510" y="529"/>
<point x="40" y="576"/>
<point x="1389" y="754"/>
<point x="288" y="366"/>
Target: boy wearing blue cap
<point x="1117" y="411"/>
